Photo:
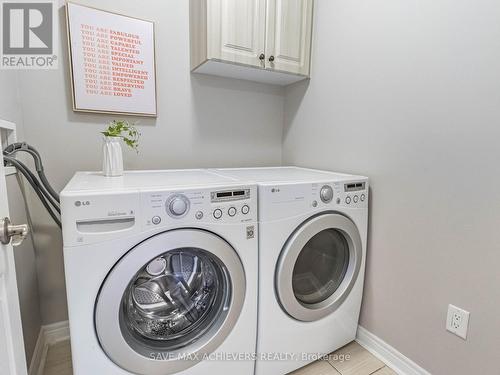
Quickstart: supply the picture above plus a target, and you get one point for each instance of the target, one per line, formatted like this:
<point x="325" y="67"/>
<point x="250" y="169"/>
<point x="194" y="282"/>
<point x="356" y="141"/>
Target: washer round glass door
<point x="318" y="266"/>
<point x="169" y="301"/>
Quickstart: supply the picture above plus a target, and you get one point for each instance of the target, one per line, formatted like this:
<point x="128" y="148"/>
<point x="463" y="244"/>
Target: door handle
<point x="14" y="234"/>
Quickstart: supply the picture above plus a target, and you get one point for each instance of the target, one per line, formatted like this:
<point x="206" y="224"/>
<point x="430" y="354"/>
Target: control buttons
<point x="356" y="199"/>
<point x="177" y="205"/>
<point x="326" y="194"/>
<point x="315" y="203"/>
<point x="245" y="209"/>
<point x="348" y="200"/>
<point x="156" y="220"/>
<point x="218" y="213"/>
<point x="363" y="197"/>
<point x="232" y="211"/>
<point x="199" y="215"/>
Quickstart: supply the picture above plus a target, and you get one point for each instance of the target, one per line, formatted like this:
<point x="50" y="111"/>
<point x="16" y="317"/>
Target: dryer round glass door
<point x="318" y="266"/>
<point x="169" y="301"/>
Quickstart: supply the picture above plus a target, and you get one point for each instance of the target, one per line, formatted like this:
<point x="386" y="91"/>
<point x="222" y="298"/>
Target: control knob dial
<point x="326" y="194"/>
<point x="177" y="205"/>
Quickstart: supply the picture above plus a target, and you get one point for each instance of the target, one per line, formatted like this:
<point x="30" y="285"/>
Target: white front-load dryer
<point x="161" y="273"/>
<point x="312" y="246"/>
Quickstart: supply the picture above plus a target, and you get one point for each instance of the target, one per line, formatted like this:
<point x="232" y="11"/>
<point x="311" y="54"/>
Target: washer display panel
<point x="169" y="301"/>
<point x="318" y="266"/>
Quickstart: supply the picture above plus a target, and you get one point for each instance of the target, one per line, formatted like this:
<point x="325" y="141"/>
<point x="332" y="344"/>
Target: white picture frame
<point x="112" y="62"/>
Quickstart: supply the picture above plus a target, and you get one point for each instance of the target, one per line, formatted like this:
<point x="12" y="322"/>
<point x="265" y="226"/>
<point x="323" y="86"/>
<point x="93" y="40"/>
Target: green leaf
<point x="126" y="131"/>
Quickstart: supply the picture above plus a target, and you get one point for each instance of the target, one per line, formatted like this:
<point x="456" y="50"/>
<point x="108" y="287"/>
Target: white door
<point x="12" y="355"/>
<point x="288" y="37"/>
<point x="237" y="31"/>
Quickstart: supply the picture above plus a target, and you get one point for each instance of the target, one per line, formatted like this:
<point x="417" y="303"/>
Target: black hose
<point x="23" y="146"/>
<point x="47" y="186"/>
<point x="33" y="182"/>
<point x="35" y="185"/>
<point x="41" y="174"/>
<point x="38" y="184"/>
<point x="16" y="147"/>
<point x="32" y="179"/>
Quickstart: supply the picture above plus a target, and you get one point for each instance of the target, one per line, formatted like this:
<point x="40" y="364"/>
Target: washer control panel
<point x="236" y="205"/>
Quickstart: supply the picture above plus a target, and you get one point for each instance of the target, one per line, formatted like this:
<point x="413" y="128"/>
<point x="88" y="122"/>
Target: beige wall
<point x="408" y="93"/>
<point x="203" y="121"/>
<point x="25" y="256"/>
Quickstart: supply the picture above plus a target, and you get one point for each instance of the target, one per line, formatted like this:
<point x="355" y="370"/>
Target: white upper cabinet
<point x="288" y="35"/>
<point x="237" y="30"/>
<point x="258" y="40"/>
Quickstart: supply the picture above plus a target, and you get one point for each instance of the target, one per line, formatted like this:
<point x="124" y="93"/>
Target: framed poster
<point x="112" y="62"/>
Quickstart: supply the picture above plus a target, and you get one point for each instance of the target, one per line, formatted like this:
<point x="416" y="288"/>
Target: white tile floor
<point x="352" y="359"/>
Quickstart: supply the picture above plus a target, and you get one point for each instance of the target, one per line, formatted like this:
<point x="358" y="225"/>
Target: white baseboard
<point x="49" y="335"/>
<point x="387" y="354"/>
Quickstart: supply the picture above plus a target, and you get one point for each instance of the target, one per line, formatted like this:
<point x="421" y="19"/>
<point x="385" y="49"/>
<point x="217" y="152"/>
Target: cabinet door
<point x="288" y="39"/>
<point x="236" y="31"/>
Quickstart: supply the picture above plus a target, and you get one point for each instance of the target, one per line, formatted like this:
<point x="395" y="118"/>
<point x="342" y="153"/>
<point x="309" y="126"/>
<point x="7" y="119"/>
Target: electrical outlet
<point x="457" y="321"/>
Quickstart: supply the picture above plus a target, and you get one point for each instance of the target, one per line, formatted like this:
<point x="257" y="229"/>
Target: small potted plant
<point x="117" y="131"/>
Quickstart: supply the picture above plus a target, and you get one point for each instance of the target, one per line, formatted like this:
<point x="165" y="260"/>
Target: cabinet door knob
<point x="262" y="56"/>
<point x="271" y="58"/>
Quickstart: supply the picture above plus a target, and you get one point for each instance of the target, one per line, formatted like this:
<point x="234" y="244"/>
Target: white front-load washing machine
<point x="161" y="273"/>
<point x="312" y="245"/>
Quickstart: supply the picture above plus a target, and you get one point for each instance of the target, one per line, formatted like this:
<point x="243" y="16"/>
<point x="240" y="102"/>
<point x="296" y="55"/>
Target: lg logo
<point x="82" y="203"/>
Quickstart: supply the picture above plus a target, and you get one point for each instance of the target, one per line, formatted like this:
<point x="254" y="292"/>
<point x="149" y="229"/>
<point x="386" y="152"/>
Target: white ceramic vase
<point x="112" y="157"/>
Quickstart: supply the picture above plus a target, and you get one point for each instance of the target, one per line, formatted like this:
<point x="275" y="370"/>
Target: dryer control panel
<point x="278" y="201"/>
<point x="352" y="194"/>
